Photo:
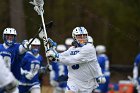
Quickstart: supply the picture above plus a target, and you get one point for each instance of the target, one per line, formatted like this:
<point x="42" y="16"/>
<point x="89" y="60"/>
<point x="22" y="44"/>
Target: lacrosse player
<point x="90" y="39"/>
<point x="84" y="72"/>
<point x="31" y="63"/>
<point x="68" y="42"/>
<point x="136" y="73"/>
<point x="104" y="64"/>
<point x="8" y="83"/>
<point x="11" y="51"/>
<point x="59" y="73"/>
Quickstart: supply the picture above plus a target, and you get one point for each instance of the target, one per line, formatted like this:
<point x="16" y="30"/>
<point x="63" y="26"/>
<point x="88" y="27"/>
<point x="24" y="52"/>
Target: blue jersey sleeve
<point x="137" y="59"/>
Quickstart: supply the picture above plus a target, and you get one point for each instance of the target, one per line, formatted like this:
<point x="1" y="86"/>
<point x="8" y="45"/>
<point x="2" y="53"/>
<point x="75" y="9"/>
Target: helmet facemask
<point x="35" y="49"/>
<point x="80" y="35"/>
<point x="81" y="38"/>
<point x="9" y="39"/>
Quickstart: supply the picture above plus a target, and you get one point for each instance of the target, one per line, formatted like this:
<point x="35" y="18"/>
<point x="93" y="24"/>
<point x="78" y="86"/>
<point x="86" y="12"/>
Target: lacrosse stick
<point x="48" y="25"/>
<point x="38" y="7"/>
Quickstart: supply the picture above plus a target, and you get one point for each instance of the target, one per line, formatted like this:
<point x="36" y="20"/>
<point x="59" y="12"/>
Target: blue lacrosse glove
<point x="52" y="43"/>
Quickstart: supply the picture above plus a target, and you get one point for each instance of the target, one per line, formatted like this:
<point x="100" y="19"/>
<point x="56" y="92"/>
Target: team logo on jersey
<point x="5" y="52"/>
<point x="35" y="61"/>
<point x="73" y="52"/>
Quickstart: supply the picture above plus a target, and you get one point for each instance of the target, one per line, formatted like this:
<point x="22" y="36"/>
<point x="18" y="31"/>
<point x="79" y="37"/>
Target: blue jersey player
<point x="11" y="51"/>
<point x="104" y="64"/>
<point x="59" y="73"/>
<point x="136" y="72"/>
<point x="31" y="63"/>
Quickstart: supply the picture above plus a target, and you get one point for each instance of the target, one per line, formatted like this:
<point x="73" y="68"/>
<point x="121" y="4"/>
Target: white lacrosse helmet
<point x="69" y="41"/>
<point x="100" y="49"/>
<point x="36" y="42"/>
<point x="90" y="39"/>
<point x="9" y="31"/>
<point x="61" y="48"/>
<point x="80" y="34"/>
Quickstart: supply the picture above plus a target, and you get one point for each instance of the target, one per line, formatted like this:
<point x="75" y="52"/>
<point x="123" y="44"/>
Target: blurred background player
<point x="31" y="63"/>
<point x="8" y="83"/>
<point x="104" y="64"/>
<point x="59" y="73"/>
<point x="90" y="39"/>
<point x="68" y="42"/>
<point x="84" y="72"/>
<point x="136" y="73"/>
<point x="11" y="51"/>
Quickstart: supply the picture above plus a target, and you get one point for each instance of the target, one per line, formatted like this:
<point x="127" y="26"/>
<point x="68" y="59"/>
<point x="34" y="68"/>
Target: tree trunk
<point x="17" y="20"/>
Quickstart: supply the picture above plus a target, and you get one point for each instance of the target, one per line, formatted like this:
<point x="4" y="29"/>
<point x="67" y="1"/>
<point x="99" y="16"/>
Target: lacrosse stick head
<point x="37" y="2"/>
<point x="41" y="29"/>
<point x="41" y="34"/>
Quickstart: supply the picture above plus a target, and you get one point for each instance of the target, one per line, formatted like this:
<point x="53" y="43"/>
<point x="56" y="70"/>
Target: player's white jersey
<point x="6" y="76"/>
<point x="82" y="63"/>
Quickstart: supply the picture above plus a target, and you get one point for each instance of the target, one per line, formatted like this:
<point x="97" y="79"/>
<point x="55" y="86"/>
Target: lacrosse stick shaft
<point x="48" y="25"/>
<point x="45" y="39"/>
<point x="39" y="9"/>
<point x="34" y="38"/>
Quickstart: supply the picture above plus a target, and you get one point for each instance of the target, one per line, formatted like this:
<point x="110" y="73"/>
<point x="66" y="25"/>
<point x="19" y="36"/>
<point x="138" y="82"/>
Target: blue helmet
<point x="9" y="31"/>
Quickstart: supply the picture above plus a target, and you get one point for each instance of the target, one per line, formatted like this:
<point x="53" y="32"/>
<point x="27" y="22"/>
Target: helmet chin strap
<point x="35" y="51"/>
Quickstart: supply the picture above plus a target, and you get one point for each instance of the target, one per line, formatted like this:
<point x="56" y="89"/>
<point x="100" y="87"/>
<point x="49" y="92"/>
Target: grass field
<point x="47" y="89"/>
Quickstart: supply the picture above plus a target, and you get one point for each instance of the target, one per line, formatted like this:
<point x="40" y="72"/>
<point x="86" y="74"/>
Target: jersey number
<point x="34" y="68"/>
<point x="75" y="66"/>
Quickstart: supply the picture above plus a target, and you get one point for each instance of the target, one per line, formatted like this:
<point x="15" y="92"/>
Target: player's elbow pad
<point x="101" y="80"/>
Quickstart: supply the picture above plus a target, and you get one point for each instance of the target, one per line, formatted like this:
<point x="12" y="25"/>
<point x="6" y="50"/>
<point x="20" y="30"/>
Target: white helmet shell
<point x="10" y="31"/>
<point x="36" y="41"/>
<point x="90" y="39"/>
<point x="69" y="41"/>
<point x="100" y="49"/>
<point x="61" y="47"/>
<point x="79" y="31"/>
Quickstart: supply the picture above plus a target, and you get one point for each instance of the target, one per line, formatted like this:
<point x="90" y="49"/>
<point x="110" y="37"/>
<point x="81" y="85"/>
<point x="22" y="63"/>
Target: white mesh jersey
<point x="6" y="76"/>
<point x="82" y="63"/>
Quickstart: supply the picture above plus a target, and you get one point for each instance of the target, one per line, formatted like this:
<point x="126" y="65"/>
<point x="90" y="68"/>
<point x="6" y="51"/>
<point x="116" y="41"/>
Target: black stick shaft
<point x="48" y="25"/>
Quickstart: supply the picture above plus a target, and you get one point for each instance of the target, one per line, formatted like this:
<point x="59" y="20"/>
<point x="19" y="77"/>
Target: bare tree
<point x="17" y="18"/>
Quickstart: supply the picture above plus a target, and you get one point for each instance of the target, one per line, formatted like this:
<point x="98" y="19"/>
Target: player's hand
<point x="29" y="75"/>
<point x="25" y="44"/>
<point x="101" y="80"/>
<point x="53" y="56"/>
<point x="135" y="82"/>
<point x="52" y="43"/>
